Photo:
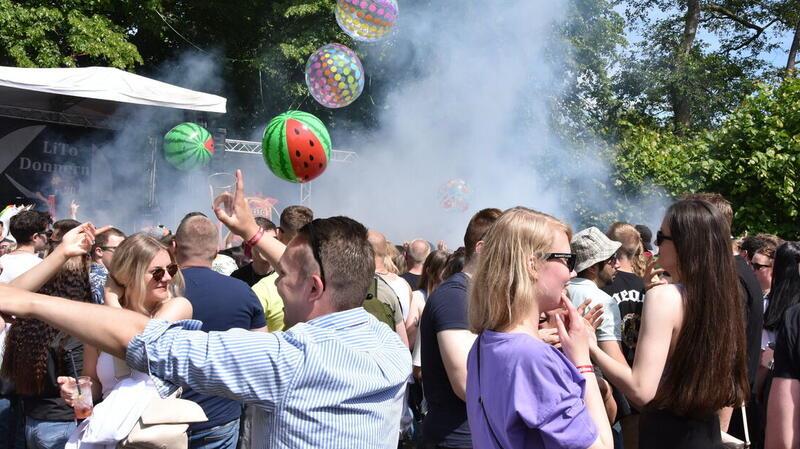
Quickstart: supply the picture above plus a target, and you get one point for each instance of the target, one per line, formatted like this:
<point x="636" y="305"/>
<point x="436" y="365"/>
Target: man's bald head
<point x="378" y="242"/>
<point x="418" y="250"/>
<point x="197" y="240"/>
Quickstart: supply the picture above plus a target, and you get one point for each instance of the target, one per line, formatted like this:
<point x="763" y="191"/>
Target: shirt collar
<point x="581" y="281"/>
<point x="341" y="320"/>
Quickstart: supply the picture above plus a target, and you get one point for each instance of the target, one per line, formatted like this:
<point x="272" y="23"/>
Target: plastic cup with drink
<point x="80" y="391"/>
<point x="222" y="187"/>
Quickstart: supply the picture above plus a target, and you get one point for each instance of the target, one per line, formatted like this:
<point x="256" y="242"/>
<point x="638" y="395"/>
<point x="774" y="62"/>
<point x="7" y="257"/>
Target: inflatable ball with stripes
<point x="188" y="146"/>
<point x="296" y="146"/>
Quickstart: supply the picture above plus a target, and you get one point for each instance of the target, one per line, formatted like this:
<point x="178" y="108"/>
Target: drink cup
<point x="221" y="186"/>
<point x="82" y="397"/>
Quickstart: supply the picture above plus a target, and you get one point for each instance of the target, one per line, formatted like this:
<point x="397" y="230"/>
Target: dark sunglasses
<point x="569" y="259"/>
<point x="158" y="273"/>
<point x="758" y="266"/>
<point x="314" y="243"/>
<point x="660" y="237"/>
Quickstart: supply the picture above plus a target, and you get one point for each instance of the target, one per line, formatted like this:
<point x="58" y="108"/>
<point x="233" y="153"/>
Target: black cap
<point x="647" y="236"/>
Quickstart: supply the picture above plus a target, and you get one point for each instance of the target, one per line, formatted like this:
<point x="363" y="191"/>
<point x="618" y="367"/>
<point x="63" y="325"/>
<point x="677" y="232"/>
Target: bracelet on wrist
<point x="255" y="238"/>
<point x="249" y="244"/>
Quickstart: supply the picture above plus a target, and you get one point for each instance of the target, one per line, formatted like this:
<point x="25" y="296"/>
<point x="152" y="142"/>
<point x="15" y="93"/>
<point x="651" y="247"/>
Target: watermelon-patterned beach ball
<point x="366" y="20"/>
<point x="296" y="146"/>
<point x="188" y="146"/>
<point x="334" y="76"/>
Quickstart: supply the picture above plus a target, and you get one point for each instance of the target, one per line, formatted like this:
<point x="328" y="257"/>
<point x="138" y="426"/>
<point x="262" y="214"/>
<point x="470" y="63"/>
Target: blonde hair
<point x="503" y="290"/>
<point x="129" y="268"/>
<point x="632" y="247"/>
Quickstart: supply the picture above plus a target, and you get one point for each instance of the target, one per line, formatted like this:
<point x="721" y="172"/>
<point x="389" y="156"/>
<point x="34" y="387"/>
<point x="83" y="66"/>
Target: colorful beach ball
<point x="188" y="146"/>
<point x="366" y="20"/>
<point x="296" y="146"/>
<point x="454" y="195"/>
<point x="334" y="76"/>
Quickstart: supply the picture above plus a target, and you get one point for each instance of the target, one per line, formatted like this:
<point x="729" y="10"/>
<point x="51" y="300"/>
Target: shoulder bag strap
<point x="480" y="394"/>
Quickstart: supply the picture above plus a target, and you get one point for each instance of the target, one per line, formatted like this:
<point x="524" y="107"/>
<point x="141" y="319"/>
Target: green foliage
<point x="63" y="34"/>
<point x="753" y="159"/>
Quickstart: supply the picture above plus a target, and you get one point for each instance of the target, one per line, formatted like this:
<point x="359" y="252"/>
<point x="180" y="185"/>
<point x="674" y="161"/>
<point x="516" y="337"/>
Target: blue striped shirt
<point x="336" y="381"/>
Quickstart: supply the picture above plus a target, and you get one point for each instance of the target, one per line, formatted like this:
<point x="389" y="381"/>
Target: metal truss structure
<point x="247" y="147"/>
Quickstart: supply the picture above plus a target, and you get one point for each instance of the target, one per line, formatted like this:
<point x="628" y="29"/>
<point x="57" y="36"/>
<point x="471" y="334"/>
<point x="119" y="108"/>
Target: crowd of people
<point x="321" y="333"/>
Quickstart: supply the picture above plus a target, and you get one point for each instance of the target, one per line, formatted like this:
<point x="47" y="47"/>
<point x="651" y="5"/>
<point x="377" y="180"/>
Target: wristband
<point x="580" y="367"/>
<point x="255" y="238"/>
<point x="248" y="245"/>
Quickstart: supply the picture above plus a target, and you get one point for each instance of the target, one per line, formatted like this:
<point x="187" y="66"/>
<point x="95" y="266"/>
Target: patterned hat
<point x="592" y="246"/>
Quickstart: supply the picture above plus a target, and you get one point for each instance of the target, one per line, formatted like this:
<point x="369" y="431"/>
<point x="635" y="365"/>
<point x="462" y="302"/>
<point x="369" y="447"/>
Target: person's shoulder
<point x="667" y="298"/>
<point x="526" y="352"/>
<point x="454" y="285"/>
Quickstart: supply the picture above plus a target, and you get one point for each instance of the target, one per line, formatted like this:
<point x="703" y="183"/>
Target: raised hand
<point x="652" y="275"/>
<point x="233" y="211"/>
<point x="78" y="241"/>
<point x="574" y="334"/>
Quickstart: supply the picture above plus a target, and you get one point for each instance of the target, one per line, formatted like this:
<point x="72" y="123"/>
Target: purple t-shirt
<point x="531" y="392"/>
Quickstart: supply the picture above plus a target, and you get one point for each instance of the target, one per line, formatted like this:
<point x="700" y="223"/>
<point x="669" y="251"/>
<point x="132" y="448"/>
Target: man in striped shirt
<point x="335" y="379"/>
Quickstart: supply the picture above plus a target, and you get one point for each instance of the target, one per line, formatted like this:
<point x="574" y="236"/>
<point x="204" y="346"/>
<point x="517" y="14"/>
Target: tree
<point x="681" y="79"/>
<point x="63" y="34"/>
<point x="753" y="159"/>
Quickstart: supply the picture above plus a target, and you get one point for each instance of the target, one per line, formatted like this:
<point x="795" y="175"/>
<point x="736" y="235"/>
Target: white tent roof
<point x="106" y="83"/>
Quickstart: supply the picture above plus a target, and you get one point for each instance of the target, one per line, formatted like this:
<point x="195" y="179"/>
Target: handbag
<point x="164" y="422"/>
<point x="732" y="442"/>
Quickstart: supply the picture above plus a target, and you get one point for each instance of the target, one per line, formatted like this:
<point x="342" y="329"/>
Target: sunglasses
<point x="313" y="241"/>
<point x="569" y="259"/>
<point x="758" y="266"/>
<point x="661" y="237"/>
<point x="158" y="272"/>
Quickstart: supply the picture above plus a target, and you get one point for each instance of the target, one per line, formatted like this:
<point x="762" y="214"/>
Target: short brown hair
<point x="716" y="200"/>
<point x="347" y="259"/>
<point x="478" y="225"/>
<point x="196" y="238"/>
<point x="102" y="239"/>
<point x="631" y="241"/>
<point x="293" y="218"/>
<point x="764" y="244"/>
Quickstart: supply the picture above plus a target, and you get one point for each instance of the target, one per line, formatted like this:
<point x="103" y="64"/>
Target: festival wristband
<point x="254" y="239"/>
<point x="583" y="369"/>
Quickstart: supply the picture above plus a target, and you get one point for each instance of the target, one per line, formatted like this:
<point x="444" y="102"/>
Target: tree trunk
<point x="792" y="61"/>
<point x="682" y="115"/>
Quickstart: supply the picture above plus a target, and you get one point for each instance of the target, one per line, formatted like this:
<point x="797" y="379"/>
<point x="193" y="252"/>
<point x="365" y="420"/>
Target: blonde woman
<point x="522" y="392"/>
<point x="143" y="277"/>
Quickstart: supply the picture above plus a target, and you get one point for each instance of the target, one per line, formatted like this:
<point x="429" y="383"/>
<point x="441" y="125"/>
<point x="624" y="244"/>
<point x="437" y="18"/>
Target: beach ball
<point x="296" y="146"/>
<point x="334" y="76"/>
<point x="454" y="195"/>
<point x="188" y="146"/>
<point x="366" y="20"/>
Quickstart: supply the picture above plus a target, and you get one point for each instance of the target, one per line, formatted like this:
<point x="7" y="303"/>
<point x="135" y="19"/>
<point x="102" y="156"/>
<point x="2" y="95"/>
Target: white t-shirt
<point x="14" y="264"/>
<point x="580" y="289"/>
<point x="402" y="289"/>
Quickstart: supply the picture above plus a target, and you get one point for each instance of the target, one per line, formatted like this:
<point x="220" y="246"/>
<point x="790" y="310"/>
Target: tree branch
<point x="719" y="9"/>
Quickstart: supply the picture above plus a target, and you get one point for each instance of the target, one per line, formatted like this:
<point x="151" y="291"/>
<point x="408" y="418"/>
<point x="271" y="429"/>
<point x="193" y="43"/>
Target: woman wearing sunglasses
<point x="521" y="391"/>
<point x="690" y="356"/>
<point x="143" y="277"/>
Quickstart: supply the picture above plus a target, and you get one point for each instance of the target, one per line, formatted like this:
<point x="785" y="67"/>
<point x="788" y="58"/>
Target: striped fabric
<point x="336" y="381"/>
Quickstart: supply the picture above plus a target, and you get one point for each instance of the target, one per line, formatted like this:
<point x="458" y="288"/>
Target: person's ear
<point x="479" y="247"/>
<point x="317" y="287"/>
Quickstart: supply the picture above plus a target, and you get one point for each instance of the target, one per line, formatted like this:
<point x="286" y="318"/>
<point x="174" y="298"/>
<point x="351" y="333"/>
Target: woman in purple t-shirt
<point x="522" y="392"/>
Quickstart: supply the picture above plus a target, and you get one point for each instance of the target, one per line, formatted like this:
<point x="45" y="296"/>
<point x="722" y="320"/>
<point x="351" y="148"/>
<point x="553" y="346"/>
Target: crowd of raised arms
<point x="320" y="333"/>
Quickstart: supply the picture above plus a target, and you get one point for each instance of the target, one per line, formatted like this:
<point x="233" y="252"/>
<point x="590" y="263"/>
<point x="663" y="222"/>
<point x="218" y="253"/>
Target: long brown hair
<point x="707" y="370"/>
<point x="28" y="340"/>
<point x="432" y="270"/>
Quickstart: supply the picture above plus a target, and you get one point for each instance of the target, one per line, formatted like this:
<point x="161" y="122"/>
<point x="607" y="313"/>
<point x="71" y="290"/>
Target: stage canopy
<point x="100" y="83"/>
